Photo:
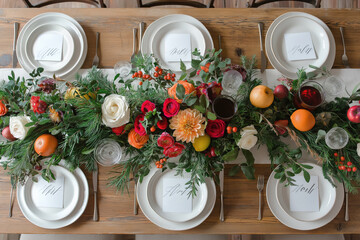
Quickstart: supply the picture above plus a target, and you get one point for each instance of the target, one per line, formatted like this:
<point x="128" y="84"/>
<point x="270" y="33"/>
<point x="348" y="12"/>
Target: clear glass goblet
<point x="336" y="138"/>
<point x="108" y="152"/>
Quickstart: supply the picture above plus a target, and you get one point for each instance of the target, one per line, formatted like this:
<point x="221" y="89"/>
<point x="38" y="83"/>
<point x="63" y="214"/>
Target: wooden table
<point x="238" y="28"/>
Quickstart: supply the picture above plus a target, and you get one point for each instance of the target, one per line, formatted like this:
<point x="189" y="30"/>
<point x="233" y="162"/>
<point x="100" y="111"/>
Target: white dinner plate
<point x="287" y="220"/>
<point x="290" y="74"/>
<point x="71" y="196"/>
<point x="146" y="43"/>
<point x="72" y="217"/>
<point x="155" y="197"/>
<point x="327" y="196"/>
<point x="65" y="69"/>
<point x="170" y="225"/>
<point x="298" y="24"/>
<point x="158" y="42"/>
<point x="33" y="42"/>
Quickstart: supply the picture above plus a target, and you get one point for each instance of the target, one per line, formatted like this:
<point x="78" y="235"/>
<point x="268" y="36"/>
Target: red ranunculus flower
<point x="37" y="105"/>
<point x="165" y="140"/>
<point x="147" y="106"/>
<point x="174" y="150"/>
<point x="215" y="128"/>
<point x="163" y="123"/>
<point x="171" y="107"/>
<point x="119" y="130"/>
<point x="139" y="128"/>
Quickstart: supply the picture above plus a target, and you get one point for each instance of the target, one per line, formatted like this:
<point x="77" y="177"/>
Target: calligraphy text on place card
<point x="175" y="195"/>
<point x="48" y="46"/>
<point x="304" y="197"/>
<point x="49" y="194"/>
<point x="178" y="47"/>
<point x="299" y="46"/>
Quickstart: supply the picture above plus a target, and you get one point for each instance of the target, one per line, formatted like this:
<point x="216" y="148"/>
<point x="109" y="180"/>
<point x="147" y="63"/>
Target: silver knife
<point x="263" y="57"/>
<point x="346" y="203"/>
<point x="16" y="29"/>
<point x="95" y="187"/>
<point x="221" y="177"/>
<point x="135" y="196"/>
<point x="141" y="26"/>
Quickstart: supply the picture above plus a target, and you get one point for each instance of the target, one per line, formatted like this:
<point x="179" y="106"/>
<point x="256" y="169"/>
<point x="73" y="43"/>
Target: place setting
<point x="297" y="40"/>
<point x="54" y="41"/>
<point x="56" y="203"/>
<point x="166" y="200"/>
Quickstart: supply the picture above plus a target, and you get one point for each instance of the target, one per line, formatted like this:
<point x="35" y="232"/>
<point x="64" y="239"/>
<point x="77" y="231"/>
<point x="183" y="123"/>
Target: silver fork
<point x="96" y="58"/>
<point x="344" y="57"/>
<point x="134" y="46"/>
<point x="260" y="187"/>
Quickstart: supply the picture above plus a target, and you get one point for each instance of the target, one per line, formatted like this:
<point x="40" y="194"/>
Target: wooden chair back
<point x="258" y="3"/>
<point x="195" y="4"/>
<point x="97" y="3"/>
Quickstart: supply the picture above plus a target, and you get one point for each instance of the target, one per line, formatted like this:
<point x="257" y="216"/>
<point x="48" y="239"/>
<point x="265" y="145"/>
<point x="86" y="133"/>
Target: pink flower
<point x="147" y="106"/>
<point x="174" y="150"/>
<point x="210" y="90"/>
<point x="37" y="105"/>
<point x="139" y="128"/>
<point x="165" y="140"/>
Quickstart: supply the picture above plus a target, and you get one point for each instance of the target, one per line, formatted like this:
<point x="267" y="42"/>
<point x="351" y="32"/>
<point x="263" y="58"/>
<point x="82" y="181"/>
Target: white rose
<point x="17" y="126"/>
<point x="247" y="141"/>
<point x="248" y="130"/>
<point x="115" y="111"/>
<point x="358" y="149"/>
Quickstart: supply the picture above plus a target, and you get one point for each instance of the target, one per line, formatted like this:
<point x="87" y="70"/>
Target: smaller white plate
<point x="158" y="42"/>
<point x="67" y="48"/>
<point x="327" y="196"/>
<point x="155" y="193"/>
<point x="71" y="196"/>
<point x="297" y="24"/>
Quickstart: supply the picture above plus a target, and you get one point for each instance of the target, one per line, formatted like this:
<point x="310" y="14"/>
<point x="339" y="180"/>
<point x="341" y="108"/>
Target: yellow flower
<point x="54" y="115"/>
<point x="188" y="125"/>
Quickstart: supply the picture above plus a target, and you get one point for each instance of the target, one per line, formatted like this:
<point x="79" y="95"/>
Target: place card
<point x="178" y="46"/>
<point x="48" y="46"/>
<point x="49" y="194"/>
<point x="175" y="195"/>
<point x="305" y="196"/>
<point x="299" y="46"/>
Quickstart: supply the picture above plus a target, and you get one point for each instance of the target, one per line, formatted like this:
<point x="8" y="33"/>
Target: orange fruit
<point x="261" y="96"/>
<point x="45" y="145"/>
<point x="303" y="120"/>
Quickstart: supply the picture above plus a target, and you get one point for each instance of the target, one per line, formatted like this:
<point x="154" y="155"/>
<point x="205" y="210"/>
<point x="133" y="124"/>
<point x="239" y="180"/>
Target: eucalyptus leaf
<point x="234" y="170"/>
<point x="231" y="156"/>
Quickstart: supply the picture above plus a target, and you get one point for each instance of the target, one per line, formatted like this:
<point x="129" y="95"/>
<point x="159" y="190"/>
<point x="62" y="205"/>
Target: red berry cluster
<point x="230" y="129"/>
<point x="211" y="153"/>
<point x="160" y="164"/>
<point x="344" y="166"/>
<point x="158" y="73"/>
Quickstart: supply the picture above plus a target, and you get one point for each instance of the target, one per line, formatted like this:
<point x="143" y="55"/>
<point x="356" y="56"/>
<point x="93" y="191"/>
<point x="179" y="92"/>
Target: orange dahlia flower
<point x="188" y="125"/>
<point x="189" y="88"/>
<point x="136" y="140"/>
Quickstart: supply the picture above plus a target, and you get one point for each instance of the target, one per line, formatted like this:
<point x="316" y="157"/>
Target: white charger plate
<point x="298" y="24"/>
<point x="329" y="61"/>
<point x="146" y="43"/>
<point x="155" y="193"/>
<point x="287" y="220"/>
<point x="67" y="50"/>
<point x="327" y="196"/>
<point x="71" y="196"/>
<point x="170" y="225"/>
<point x="71" y="218"/>
<point x="158" y="42"/>
<point x="53" y="18"/>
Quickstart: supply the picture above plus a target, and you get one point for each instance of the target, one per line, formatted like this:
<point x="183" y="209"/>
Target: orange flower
<point x="136" y="140"/>
<point x="188" y="125"/>
<point x="54" y="115"/>
<point x="3" y="108"/>
<point x="189" y="88"/>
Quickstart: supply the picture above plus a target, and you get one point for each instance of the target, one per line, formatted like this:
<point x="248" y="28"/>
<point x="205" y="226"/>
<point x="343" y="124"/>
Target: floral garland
<point x="157" y="116"/>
